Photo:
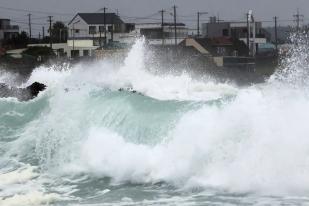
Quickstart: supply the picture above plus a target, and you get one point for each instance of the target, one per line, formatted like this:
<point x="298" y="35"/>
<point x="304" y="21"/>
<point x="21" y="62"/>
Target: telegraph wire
<point x="38" y="15"/>
<point x="34" y="11"/>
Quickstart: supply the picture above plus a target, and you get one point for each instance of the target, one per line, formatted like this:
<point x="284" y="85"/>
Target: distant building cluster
<point x="90" y="32"/>
<point x="7" y="31"/>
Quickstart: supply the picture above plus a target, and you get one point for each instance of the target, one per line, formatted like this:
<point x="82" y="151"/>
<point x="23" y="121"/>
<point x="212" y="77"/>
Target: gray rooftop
<point x="98" y="18"/>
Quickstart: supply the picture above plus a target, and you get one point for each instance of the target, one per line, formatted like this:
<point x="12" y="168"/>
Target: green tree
<point x="59" y="32"/>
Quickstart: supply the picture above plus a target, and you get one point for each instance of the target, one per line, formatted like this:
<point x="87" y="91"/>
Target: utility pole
<point x="298" y="18"/>
<point x="162" y="25"/>
<point x="175" y="26"/>
<point x="276" y="33"/>
<point x="198" y="22"/>
<point x="100" y="37"/>
<point x="248" y="33"/>
<point x="43" y="32"/>
<point x="105" y="36"/>
<point x="29" y="23"/>
<point x="50" y="31"/>
<point x="112" y="31"/>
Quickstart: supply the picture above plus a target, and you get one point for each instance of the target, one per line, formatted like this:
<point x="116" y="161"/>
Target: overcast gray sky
<point x="227" y="9"/>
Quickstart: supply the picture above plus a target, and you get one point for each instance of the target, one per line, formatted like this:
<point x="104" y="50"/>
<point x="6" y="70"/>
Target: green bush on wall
<point x="39" y="51"/>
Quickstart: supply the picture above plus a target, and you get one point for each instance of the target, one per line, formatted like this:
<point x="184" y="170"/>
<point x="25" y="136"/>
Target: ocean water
<point x="180" y="141"/>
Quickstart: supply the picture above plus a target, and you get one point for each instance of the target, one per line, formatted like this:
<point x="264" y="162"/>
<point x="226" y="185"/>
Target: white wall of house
<point x="56" y="46"/>
<point x="257" y="40"/>
<point x="81" y="43"/>
<point x="81" y="29"/>
<point x="67" y="48"/>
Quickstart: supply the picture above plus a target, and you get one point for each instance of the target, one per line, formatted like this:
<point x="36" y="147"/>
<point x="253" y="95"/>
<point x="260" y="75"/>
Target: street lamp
<point x="198" y="21"/>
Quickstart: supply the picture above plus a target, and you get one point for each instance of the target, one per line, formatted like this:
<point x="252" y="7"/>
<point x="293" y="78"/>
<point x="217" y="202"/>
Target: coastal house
<point x="222" y="51"/>
<point x="7" y="31"/>
<point x="158" y="34"/>
<point x="258" y="37"/>
<point x="236" y="30"/>
<point x="90" y="31"/>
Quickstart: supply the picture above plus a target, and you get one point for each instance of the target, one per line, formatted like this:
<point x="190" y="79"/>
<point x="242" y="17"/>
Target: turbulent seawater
<point x="182" y="141"/>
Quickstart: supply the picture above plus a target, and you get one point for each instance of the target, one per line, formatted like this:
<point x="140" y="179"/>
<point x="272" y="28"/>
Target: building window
<point x="151" y="33"/>
<point x="85" y="52"/>
<point x="96" y="42"/>
<point x="101" y="29"/>
<point x="77" y="31"/>
<point x="74" y="53"/>
<point x="92" y="29"/>
<point x="221" y="51"/>
<point x="225" y="32"/>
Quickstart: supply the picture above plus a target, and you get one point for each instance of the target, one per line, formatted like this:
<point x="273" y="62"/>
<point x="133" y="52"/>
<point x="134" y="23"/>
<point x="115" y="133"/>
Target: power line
<point x="34" y="11"/>
<point x="175" y="27"/>
<point x="27" y="23"/>
<point x="186" y="16"/>
<point x="276" y="33"/>
<point x="26" y="28"/>
<point x="140" y="18"/>
<point x="105" y="38"/>
<point x="144" y="17"/>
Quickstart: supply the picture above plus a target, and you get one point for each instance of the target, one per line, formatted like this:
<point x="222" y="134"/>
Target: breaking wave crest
<point x="184" y="132"/>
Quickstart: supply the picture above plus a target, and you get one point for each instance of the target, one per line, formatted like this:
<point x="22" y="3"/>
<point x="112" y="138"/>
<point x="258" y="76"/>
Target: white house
<point x="89" y="31"/>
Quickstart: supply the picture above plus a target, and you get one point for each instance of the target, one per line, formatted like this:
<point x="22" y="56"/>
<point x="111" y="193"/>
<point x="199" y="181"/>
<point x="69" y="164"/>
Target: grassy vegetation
<point x="39" y="51"/>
